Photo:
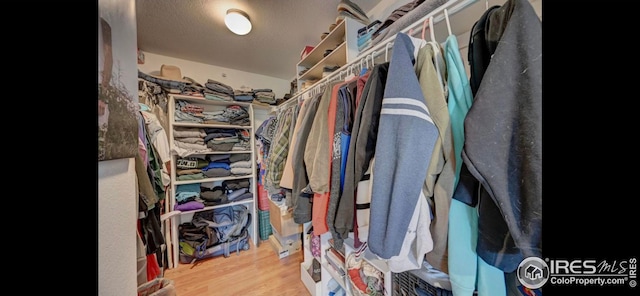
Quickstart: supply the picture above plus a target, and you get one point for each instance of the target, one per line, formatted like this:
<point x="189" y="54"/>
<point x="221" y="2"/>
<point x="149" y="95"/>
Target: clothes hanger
<point x="364" y="65"/>
<point x="446" y="18"/>
<point x="432" y="35"/>
<point x="424" y="28"/>
<point x="386" y="52"/>
<point x="436" y="52"/>
<point x="373" y="63"/>
<point x="351" y="73"/>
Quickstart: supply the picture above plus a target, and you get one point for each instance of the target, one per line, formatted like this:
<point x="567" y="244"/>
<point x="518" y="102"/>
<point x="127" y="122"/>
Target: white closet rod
<point x="452" y="6"/>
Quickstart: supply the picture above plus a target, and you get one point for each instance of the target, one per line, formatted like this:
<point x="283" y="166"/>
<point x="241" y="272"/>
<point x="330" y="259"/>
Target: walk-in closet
<point x="343" y="147"/>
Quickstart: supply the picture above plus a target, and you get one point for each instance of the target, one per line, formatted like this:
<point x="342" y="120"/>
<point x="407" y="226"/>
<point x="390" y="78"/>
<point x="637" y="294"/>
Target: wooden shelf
<point x="343" y="43"/>
<point x="251" y="203"/>
<point x="338" y="57"/>
<point x="240" y="202"/>
<point x="205" y="125"/>
<point x="213" y="179"/>
<point x="335" y="38"/>
<point x="202" y="100"/>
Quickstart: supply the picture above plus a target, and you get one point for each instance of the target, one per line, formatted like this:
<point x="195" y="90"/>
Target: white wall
<point x="202" y="72"/>
<point x="117" y="210"/>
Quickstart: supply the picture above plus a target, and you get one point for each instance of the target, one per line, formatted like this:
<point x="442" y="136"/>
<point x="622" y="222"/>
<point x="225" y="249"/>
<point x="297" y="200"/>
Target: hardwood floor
<point x="256" y="271"/>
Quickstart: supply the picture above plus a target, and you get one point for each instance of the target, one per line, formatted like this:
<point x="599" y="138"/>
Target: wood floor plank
<point x="256" y="271"/>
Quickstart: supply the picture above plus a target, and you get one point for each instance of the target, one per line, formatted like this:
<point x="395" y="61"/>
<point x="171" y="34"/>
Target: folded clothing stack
<point x="215" y="90"/>
<point x="327" y="70"/>
<point x="193" y="88"/>
<point x="403" y="16"/>
<point x="365" y="33"/>
<point x="233" y="114"/>
<point x="308" y="83"/>
<point x="265" y="95"/>
<point x="243" y="94"/>
<point x="346" y="8"/>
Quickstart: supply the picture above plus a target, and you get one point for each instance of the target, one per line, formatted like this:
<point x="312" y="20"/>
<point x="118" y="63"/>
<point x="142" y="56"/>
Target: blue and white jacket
<point x="406" y="138"/>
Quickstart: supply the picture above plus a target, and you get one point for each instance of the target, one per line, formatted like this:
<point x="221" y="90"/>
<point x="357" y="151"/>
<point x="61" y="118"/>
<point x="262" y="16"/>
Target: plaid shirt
<point x="279" y="149"/>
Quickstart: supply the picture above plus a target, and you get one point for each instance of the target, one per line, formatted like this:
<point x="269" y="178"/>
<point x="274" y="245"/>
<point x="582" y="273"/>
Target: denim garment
<point x="180" y="116"/>
<point x="219" y="87"/>
<point x="164" y="83"/>
<point x="211" y="136"/>
<point x="184" y="116"/>
<point x="217" y="165"/>
<point x="217" y="97"/>
<point x="222" y="140"/>
<point x="244" y="98"/>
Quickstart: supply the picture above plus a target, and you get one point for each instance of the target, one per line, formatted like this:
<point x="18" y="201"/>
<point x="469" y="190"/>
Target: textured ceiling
<point x="194" y="30"/>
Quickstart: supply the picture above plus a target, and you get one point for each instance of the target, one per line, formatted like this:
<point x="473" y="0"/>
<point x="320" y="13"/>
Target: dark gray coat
<point x="503" y="139"/>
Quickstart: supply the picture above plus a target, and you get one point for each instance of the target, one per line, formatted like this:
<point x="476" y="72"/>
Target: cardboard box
<point x="286" y="240"/>
<point x="283" y="224"/>
<point x="284" y="251"/>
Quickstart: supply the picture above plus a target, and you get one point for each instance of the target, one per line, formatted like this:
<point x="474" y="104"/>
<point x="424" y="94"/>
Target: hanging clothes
<point x="147" y="195"/>
<point x="158" y="137"/>
<point x="503" y="139"/>
<point x="303" y="206"/>
<point x="286" y="181"/>
<point x="343" y="106"/>
<point x="154" y="96"/>
<point x="438" y="185"/>
<point x="467" y="271"/>
<point x="364" y="134"/>
<point x="278" y="152"/>
<point x="335" y="130"/>
<point x="317" y="160"/>
<point x="480" y="49"/>
<point x="406" y="138"/>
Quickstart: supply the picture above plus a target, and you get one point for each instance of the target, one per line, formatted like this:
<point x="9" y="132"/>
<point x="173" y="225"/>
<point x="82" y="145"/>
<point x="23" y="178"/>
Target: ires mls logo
<point x="561" y="267"/>
<point x="534" y="272"/>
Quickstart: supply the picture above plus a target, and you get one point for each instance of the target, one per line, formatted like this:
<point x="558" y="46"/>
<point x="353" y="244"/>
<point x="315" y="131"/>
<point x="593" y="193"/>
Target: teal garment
<point x="186" y="191"/>
<point x="466" y="269"/>
<point x="463" y="260"/>
<point x="144" y="107"/>
<point x="460" y="98"/>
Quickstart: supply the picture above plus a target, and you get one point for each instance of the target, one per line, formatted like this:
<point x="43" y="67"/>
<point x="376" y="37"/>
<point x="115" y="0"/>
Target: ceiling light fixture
<point x="237" y="21"/>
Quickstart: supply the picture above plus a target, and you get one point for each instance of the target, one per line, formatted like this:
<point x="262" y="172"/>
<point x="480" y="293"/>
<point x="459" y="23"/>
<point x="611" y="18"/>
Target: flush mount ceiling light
<point x="237" y="21"/>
